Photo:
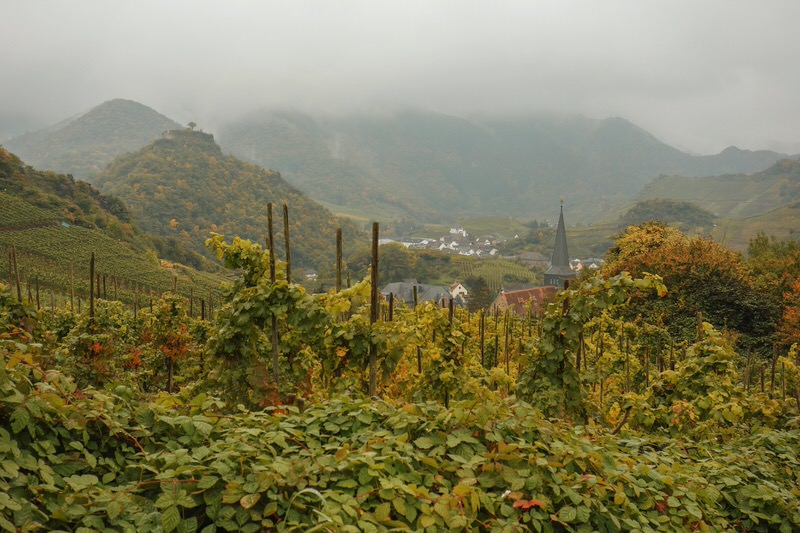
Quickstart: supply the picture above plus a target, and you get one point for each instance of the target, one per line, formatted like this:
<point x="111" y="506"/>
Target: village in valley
<point x="558" y="270"/>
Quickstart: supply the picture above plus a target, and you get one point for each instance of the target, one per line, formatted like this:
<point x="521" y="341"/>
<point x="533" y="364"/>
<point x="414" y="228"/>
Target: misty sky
<point x="700" y="75"/>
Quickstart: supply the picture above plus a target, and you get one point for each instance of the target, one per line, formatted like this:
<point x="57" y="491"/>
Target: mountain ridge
<point x="84" y="144"/>
<point x="425" y="166"/>
<point x="520" y="166"/>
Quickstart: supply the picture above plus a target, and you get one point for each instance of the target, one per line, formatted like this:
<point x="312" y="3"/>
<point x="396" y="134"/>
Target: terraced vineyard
<point x="496" y="272"/>
<point x="17" y="212"/>
<point x="48" y="253"/>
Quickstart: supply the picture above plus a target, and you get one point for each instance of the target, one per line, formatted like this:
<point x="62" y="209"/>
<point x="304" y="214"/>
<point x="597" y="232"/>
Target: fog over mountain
<point x="412" y="165"/>
<point x="699" y="76"/>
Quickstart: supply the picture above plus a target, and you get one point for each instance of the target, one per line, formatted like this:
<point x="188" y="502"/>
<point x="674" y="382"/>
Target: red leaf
<point x="528" y="504"/>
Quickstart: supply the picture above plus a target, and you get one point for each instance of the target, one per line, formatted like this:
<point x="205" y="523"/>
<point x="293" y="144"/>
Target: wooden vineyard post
<point x="339" y="259"/>
<point x="286" y="242"/>
<point x="10" y="271"/>
<point x="772" y="370"/>
<point x="482" y="327"/>
<point x="202" y="309"/>
<point x="783" y="381"/>
<point x="91" y="287"/>
<point x="38" y="302"/>
<point x="71" y="288"/>
<point x="601" y="348"/>
<point x="191" y="302"/>
<point x="373" y="314"/>
<point x="170" y="371"/>
<point x="274" y="328"/>
<point x="797" y="387"/>
<point x="627" y="364"/>
<point x="602" y="383"/>
<point x="270" y="243"/>
<point x="530" y="318"/>
<point x="414" y="302"/>
<point x="391" y="307"/>
<point x="496" y="337"/>
<point x="105" y="293"/>
<point x="505" y="348"/>
<point x="16" y="273"/>
<point x="450" y="323"/>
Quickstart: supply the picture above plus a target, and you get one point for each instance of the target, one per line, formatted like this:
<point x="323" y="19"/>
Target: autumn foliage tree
<point x="789" y="326"/>
<point x="702" y="276"/>
<point x="776" y="266"/>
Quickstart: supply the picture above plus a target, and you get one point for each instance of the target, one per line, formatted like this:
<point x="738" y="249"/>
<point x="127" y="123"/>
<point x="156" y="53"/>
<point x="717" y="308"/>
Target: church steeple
<point x="559" y="270"/>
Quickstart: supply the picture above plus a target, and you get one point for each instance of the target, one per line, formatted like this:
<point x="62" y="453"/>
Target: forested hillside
<point x="183" y="186"/>
<point x="84" y="145"/>
<point x="438" y="167"/>
<point x="679" y="213"/>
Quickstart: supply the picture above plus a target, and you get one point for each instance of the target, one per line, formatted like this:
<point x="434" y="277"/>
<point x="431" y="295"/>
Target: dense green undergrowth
<point x="105" y="460"/>
<point x="579" y="421"/>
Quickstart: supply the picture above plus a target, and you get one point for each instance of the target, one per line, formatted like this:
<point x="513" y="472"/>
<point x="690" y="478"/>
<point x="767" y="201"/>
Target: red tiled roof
<point x="518" y="300"/>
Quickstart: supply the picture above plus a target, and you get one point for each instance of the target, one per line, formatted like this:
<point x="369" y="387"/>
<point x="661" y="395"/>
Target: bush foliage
<point x="582" y="419"/>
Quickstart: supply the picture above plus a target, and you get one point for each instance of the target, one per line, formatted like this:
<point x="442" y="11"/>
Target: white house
<point x="457" y="289"/>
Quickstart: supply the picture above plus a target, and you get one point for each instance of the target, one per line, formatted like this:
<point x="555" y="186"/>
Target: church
<point x="559" y="274"/>
<point x="556" y="278"/>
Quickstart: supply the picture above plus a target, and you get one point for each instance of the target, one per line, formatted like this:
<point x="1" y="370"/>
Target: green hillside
<point x="679" y="213"/>
<point x="183" y="186"/>
<point x="56" y="223"/>
<point x="735" y="196"/>
<point x="781" y="223"/>
<point x="84" y="145"/>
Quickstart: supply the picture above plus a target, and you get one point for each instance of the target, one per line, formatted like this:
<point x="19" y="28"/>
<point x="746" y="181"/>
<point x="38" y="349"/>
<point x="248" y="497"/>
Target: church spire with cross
<point x="560" y="272"/>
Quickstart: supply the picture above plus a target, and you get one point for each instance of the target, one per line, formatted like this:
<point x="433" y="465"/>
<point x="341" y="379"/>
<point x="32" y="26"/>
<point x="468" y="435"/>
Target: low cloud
<point x="699" y="75"/>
